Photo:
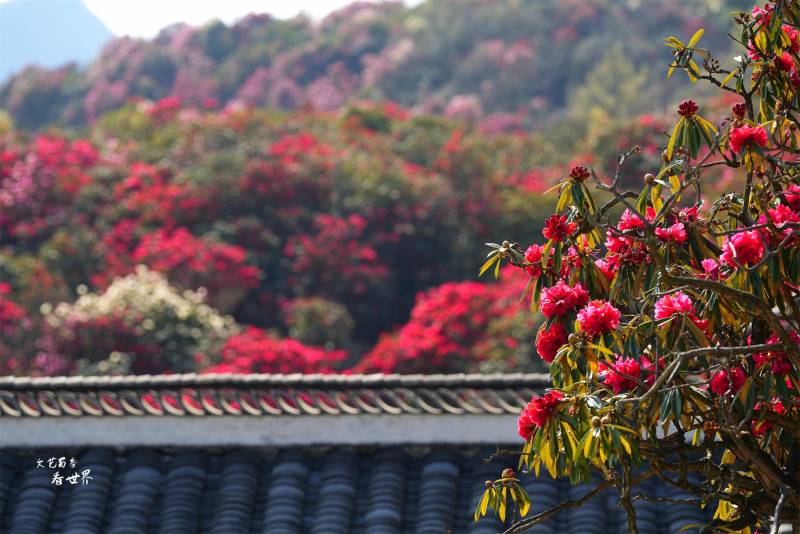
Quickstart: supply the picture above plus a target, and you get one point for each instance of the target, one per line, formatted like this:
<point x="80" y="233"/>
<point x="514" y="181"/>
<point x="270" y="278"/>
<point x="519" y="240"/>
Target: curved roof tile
<point x="266" y="395"/>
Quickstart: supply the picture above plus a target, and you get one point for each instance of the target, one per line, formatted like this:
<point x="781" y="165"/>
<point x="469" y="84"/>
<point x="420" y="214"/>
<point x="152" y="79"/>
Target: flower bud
<point x="508" y="473"/>
<point x="739" y="110"/>
<point x="596" y="422"/>
<point x="649" y="178"/>
<point x="579" y="173"/>
<point x="687" y="108"/>
<point x="606" y="420"/>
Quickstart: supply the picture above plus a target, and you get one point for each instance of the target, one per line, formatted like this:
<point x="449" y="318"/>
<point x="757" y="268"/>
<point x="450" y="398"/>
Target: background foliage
<point x="348" y="227"/>
<point x="511" y="62"/>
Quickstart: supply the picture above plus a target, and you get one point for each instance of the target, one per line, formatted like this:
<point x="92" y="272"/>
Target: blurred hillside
<point x="512" y="63"/>
<point x="170" y="219"/>
<point x="169" y="238"/>
<point x="48" y="33"/>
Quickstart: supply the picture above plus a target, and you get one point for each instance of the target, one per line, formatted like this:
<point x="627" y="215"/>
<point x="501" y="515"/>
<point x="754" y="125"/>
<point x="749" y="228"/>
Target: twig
<point x="776" y="520"/>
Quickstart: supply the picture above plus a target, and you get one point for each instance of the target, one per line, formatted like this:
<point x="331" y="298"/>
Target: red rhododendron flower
<point x="608" y="268"/>
<point x="621" y="375"/>
<point x="794" y="37"/>
<point x="687" y="108"/>
<point x="728" y="381"/>
<point x="257" y="351"/>
<point x="557" y="300"/>
<point x="538" y="411"/>
<point x="673" y="304"/>
<point x="760" y="426"/>
<point x="785" y="62"/>
<point x="711" y="268"/>
<point x="10" y="312"/>
<point x="549" y="340"/>
<point x="744" y="248"/>
<point x="782" y="216"/>
<point x="650" y="368"/>
<point x="598" y="317"/>
<point x="746" y="135"/>
<point x="778" y="360"/>
<point x="688" y="214"/>
<point x="792" y="196"/>
<point x="533" y="254"/>
<point x="557" y="228"/>
<point x="675" y="233"/>
<point x="579" y="173"/>
<point x="764" y="14"/>
<point x="630" y="221"/>
<point x="572" y="261"/>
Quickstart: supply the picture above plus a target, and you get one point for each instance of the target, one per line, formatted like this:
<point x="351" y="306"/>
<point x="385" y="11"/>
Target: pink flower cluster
<point x="598" y="317"/>
<point x="538" y="412"/>
<point x="559" y="299"/>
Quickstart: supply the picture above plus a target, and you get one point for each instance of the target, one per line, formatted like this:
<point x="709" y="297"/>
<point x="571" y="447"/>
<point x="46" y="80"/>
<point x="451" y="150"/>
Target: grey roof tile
<point x="332" y="490"/>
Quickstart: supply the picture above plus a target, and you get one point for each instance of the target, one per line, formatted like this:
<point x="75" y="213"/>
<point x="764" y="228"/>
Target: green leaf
<point x="641" y="202"/>
<point x="482" y="506"/>
<point x="695" y="38"/>
<point x="675" y="184"/>
<point x="666" y="406"/>
<point x="563" y="199"/>
<point x="527" y="287"/>
<point x="486" y="266"/>
<point x="594" y="402"/>
<point x="677" y="404"/>
<point x="674" y="137"/>
<point x="546" y="253"/>
<point x="583" y="446"/>
<point x="694" y="138"/>
<point x="674" y="42"/>
<point x="625" y="443"/>
<point x="524" y="504"/>
<point x="698" y="334"/>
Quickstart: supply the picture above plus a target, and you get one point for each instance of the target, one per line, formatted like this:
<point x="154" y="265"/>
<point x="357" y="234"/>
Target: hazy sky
<point x="144" y="18"/>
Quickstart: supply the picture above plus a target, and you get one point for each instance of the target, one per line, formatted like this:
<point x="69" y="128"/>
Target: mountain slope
<point x="515" y="62"/>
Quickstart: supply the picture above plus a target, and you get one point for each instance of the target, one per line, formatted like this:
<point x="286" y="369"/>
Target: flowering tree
<point x="674" y="344"/>
<point x="139" y="324"/>
<point x="458" y="327"/>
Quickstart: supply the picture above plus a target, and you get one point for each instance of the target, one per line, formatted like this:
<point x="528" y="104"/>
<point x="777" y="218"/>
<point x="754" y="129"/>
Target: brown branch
<point x="625" y="499"/>
<point x="525" y="524"/>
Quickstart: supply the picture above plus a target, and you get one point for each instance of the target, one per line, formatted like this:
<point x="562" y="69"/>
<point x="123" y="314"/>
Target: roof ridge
<point x="279" y="380"/>
<point x="268" y="395"/>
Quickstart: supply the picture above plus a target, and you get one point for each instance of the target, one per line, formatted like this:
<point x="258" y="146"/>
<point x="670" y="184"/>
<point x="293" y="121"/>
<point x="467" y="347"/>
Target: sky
<point x="144" y="18"/>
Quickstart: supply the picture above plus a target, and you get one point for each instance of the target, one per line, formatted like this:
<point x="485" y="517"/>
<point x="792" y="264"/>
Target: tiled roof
<point x="330" y="472"/>
<point x="332" y="490"/>
<point x="265" y="395"/>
